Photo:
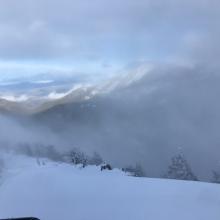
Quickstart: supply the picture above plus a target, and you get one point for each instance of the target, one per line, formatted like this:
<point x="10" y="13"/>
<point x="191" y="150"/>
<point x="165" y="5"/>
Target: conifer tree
<point x="216" y="177"/>
<point x="180" y="169"/>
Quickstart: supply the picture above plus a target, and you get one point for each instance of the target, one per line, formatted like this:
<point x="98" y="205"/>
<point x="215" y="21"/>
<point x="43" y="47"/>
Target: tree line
<point x="179" y="167"/>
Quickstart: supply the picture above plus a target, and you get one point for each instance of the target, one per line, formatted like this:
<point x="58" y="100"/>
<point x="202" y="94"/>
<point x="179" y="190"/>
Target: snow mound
<point x="53" y="191"/>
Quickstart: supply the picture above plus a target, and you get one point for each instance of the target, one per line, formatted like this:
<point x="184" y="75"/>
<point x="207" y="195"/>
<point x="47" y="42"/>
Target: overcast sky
<point x="103" y="36"/>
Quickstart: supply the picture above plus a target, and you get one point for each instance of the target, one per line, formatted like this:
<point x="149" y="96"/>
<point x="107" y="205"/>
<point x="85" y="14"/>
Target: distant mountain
<point x="40" y="93"/>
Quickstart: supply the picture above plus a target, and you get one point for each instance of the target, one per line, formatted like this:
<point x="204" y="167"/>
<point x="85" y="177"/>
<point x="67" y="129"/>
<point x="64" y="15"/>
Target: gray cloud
<point x="123" y="30"/>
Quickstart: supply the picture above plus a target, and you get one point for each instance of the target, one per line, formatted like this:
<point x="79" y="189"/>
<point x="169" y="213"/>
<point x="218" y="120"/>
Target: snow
<point x="12" y="98"/>
<point x="57" y="95"/>
<point x="52" y="191"/>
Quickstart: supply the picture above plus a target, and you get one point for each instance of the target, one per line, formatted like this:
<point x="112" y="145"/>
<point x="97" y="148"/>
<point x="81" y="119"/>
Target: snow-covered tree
<point x="180" y="169"/>
<point x="216" y="177"/>
<point x="39" y="150"/>
<point x="96" y="159"/>
<point x="78" y="157"/>
<point x="136" y="170"/>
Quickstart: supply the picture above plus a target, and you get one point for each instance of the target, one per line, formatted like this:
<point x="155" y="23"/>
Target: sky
<point x="102" y="37"/>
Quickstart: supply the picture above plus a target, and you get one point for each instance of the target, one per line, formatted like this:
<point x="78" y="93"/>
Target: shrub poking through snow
<point x="106" y="167"/>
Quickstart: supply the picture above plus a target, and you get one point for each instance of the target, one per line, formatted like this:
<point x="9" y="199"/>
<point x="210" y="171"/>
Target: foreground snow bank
<point x="53" y="191"/>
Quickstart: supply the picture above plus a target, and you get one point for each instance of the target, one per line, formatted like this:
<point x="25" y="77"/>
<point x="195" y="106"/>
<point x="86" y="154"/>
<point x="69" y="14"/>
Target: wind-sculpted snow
<point x="52" y="191"/>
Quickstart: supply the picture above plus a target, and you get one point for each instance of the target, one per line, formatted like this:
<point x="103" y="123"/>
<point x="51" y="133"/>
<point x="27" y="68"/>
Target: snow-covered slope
<point x="53" y="191"/>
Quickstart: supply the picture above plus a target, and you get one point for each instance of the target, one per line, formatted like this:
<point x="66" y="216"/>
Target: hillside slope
<point x="53" y="191"/>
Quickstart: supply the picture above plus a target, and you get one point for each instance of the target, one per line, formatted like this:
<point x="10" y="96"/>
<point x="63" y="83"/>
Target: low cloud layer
<point x="170" y="110"/>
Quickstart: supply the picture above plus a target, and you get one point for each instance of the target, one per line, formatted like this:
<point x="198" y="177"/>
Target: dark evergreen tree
<point x="180" y="169"/>
<point x="106" y="167"/>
